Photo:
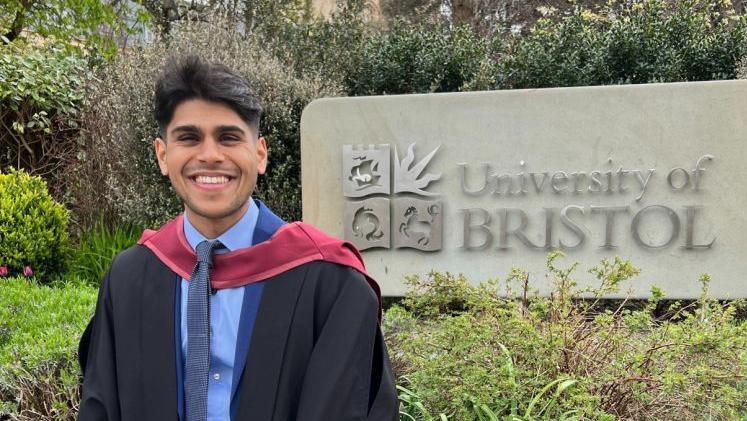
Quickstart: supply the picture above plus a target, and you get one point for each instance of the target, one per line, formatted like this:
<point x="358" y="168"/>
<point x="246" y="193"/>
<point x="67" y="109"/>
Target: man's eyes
<point x="224" y="138"/>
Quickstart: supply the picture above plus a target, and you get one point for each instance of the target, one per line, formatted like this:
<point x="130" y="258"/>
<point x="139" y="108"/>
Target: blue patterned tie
<point x="198" y="333"/>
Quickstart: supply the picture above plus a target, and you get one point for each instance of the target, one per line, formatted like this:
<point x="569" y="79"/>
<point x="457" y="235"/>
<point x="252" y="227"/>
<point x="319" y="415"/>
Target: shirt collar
<point x="237" y="237"/>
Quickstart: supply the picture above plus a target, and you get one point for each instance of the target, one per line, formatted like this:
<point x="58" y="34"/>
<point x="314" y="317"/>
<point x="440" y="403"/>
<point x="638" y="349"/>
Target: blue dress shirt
<point x="225" y="315"/>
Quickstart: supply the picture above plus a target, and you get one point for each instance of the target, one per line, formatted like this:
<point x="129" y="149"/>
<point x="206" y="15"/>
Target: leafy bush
<point x="40" y="98"/>
<point x="418" y="59"/>
<point x="39" y="332"/>
<point x="79" y="25"/>
<point x="98" y="247"/>
<point x="635" y="41"/>
<point x="312" y="46"/>
<point x="33" y="226"/>
<point x="628" y="42"/>
<point x="119" y="128"/>
<point x="467" y="353"/>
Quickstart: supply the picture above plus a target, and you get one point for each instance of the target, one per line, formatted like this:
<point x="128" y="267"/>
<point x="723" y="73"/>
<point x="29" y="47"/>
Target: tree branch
<point x="17" y="26"/>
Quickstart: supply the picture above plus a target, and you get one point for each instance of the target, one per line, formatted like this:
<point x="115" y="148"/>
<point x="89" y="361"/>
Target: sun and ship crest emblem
<point x="379" y="220"/>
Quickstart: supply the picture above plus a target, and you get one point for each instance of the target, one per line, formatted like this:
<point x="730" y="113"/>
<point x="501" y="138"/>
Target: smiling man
<point x="227" y="312"/>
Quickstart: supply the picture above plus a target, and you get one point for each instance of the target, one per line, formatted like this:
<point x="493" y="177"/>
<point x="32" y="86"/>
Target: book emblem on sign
<point x="404" y="221"/>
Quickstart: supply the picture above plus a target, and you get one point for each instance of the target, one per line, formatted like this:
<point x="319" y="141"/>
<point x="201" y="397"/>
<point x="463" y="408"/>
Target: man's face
<point x="212" y="158"/>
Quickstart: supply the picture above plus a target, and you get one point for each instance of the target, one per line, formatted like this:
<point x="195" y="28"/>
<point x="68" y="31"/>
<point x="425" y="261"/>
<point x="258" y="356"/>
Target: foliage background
<point x="638" y="42"/>
<point x="74" y="102"/>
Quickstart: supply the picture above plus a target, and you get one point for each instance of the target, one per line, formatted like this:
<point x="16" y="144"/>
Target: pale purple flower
<point x="3" y="271"/>
<point x="27" y="271"/>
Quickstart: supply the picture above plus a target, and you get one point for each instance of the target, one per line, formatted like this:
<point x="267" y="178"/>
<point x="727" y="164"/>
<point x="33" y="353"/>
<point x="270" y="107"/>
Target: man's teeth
<point x="211" y="180"/>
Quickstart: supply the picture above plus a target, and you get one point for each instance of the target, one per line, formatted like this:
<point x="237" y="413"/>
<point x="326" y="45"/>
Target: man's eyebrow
<point x="229" y="128"/>
<point x="189" y="128"/>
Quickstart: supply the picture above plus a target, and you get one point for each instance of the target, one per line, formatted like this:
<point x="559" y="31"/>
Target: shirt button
<point x="216" y="376"/>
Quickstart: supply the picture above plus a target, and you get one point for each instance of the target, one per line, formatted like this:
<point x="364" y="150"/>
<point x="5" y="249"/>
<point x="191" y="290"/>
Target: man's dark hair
<point x="193" y="78"/>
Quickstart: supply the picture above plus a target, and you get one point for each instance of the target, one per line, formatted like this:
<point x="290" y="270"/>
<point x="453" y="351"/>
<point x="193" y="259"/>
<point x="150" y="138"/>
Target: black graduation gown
<point x="317" y="352"/>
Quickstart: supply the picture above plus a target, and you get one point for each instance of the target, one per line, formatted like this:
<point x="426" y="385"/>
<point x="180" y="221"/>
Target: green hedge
<point x="467" y="353"/>
<point x="39" y="331"/>
<point x="417" y="59"/>
<point x="642" y="41"/>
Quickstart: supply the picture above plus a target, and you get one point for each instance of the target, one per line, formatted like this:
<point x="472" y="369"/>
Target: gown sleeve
<point x="100" y="401"/>
<point x="349" y="376"/>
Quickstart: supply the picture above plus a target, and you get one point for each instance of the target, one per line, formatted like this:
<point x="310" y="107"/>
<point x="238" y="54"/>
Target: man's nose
<point x="210" y="150"/>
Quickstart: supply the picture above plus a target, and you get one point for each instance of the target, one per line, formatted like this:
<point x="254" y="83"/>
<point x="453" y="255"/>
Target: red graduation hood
<point x="290" y="246"/>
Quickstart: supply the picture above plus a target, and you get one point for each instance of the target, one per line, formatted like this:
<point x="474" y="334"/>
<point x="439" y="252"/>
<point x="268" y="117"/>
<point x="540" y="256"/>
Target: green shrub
<point x="33" y="227"/>
<point x="469" y="353"/>
<point x="657" y="41"/>
<point x="98" y="247"/>
<point x="313" y="46"/>
<point x="565" y="53"/>
<point x="81" y="26"/>
<point x="641" y="41"/>
<point x="419" y="59"/>
<point x="636" y="41"/>
<point x="39" y="332"/>
<point x="40" y="98"/>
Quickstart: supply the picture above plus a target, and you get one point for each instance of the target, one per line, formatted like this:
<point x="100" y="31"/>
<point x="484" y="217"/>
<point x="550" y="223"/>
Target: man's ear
<point x="160" y="146"/>
<point x="261" y="155"/>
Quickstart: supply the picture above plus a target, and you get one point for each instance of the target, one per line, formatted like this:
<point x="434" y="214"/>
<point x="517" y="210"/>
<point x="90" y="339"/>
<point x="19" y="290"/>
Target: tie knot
<point x="205" y="251"/>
